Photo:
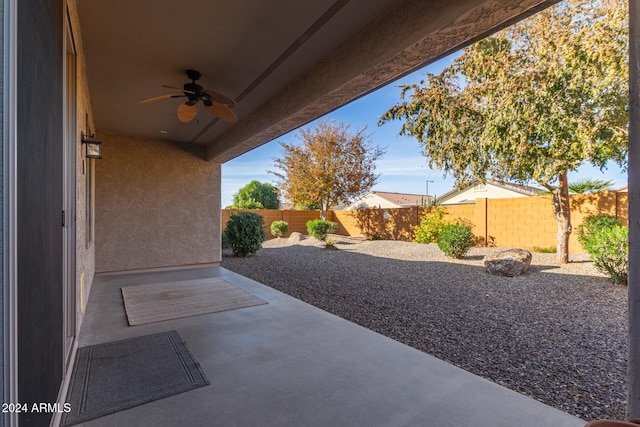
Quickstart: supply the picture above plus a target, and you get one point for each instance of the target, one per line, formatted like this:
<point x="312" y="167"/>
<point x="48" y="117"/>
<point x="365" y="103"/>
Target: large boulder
<point x="295" y="237"/>
<point x="512" y="262"/>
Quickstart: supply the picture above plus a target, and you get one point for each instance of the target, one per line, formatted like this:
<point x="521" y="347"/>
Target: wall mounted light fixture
<point x="93" y="146"/>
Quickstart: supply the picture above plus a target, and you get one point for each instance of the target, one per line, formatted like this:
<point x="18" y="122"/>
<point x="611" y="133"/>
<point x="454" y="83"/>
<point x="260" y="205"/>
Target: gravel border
<point x="557" y="333"/>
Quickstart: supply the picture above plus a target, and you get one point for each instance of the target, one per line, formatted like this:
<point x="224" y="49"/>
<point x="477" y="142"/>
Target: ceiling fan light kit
<point x="215" y="103"/>
<point x="187" y="112"/>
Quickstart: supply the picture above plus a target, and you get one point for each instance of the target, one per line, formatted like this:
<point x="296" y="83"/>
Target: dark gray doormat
<point x="111" y="377"/>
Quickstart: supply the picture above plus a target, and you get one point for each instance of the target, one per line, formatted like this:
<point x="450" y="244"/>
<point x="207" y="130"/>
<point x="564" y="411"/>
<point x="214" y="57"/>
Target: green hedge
<point x="455" y="240"/>
<point x="244" y="233"/>
<point x="319" y="228"/>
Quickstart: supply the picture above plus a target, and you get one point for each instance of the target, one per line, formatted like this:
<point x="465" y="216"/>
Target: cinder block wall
<point x="530" y="221"/>
<point x="526" y="222"/>
<point x="297" y="220"/>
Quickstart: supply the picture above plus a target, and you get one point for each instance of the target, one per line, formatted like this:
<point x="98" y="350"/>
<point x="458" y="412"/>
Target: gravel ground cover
<point x="556" y="333"/>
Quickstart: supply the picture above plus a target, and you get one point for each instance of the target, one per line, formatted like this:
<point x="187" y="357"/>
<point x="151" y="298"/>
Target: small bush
<point x="543" y="250"/>
<point x="319" y="228"/>
<point x="593" y="223"/>
<point x="244" y="233"/>
<point x="225" y="240"/>
<point x="330" y="244"/>
<point x="455" y="240"/>
<point x="430" y="227"/>
<point x="279" y="228"/>
<point x="608" y="248"/>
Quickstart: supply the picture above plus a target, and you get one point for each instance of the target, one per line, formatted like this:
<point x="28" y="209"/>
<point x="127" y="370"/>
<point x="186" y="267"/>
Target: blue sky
<point x="403" y="168"/>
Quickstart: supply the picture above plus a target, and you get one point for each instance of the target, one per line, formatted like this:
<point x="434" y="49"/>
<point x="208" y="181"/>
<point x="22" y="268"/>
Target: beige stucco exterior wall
<point x="85" y="248"/>
<point x="157" y="205"/>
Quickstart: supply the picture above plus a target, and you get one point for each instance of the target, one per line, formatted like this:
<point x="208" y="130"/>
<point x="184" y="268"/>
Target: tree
<point x="588" y="185"/>
<point x="256" y="195"/>
<point x="329" y="166"/>
<point x="532" y="102"/>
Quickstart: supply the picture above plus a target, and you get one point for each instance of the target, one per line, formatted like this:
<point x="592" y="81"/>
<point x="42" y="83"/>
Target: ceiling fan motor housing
<point x="193" y="91"/>
<point x="193" y="75"/>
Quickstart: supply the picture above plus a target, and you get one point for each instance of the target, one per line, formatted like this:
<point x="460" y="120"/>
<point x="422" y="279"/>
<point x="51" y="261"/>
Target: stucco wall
<point x="157" y="205"/>
<point x="481" y="191"/>
<point x="85" y="248"/>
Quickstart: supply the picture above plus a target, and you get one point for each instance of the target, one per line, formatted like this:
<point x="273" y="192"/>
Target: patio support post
<point x="633" y="392"/>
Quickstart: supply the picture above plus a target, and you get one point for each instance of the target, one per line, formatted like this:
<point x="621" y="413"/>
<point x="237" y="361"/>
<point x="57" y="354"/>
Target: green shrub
<point x="545" y="250"/>
<point x="319" y="228"/>
<point x="431" y="225"/>
<point x="225" y="241"/>
<point x="593" y="223"/>
<point x="279" y="228"/>
<point x="244" y="233"/>
<point x="609" y="251"/>
<point x="455" y="240"/>
<point x="330" y="244"/>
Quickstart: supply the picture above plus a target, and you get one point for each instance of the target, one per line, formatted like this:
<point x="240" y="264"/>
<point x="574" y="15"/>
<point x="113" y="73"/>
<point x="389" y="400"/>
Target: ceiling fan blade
<point x="220" y="98"/>
<point x="180" y="89"/>
<point x="187" y="112"/>
<point x="159" y="98"/>
<point x="222" y="111"/>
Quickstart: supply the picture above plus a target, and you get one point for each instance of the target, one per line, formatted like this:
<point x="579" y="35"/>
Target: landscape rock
<point x="295" y="237"/>
<point x="510" y="263"/>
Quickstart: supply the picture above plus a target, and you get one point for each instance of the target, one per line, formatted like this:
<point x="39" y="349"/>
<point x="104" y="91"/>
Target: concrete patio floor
<point x="288" y="363"/>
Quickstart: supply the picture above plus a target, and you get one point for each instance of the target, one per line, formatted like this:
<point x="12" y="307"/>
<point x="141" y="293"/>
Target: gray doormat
<point x="115" y="376"/>
<point x="173" y="300"/>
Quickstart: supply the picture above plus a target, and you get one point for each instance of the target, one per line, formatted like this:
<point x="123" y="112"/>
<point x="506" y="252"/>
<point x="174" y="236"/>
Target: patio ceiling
<point x="286" y="62"/>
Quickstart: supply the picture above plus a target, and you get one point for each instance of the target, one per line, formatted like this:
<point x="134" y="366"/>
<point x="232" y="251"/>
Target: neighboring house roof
<point x="490" y="189"/>
<point x="375" y="199"/>
<point x="624" y="189"/>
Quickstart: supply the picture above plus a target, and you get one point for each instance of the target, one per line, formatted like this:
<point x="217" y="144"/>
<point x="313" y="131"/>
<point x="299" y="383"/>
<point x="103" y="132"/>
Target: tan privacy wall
<point x="526" y="222"/>
<point x="297" y="220"/>
<point x="157" y="205"/>
<point x="518" y="222"/>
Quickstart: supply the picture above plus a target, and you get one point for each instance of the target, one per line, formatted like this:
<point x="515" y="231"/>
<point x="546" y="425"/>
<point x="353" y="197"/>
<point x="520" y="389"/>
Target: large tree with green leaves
<point x="330" y="165"/>
<point x="256" y="195"/>
<point x="532" y="102"/>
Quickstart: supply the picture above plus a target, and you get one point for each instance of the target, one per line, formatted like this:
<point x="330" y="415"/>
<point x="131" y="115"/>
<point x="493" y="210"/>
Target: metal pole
<point x="428" y="191"/>
<point x="633" y="391"/>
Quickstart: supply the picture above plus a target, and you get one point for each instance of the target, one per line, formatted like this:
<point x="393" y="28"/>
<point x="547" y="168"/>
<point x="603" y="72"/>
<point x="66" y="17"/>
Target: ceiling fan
<point x="214" y="102"/>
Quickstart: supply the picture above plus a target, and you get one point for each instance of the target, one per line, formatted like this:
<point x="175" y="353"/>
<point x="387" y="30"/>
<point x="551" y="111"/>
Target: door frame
<point x="9" y="205"/>
<point x="70" y="151"/>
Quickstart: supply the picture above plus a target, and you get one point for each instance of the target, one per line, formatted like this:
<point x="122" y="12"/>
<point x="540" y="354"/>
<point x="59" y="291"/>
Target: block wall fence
<point x="525" y="222"/>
